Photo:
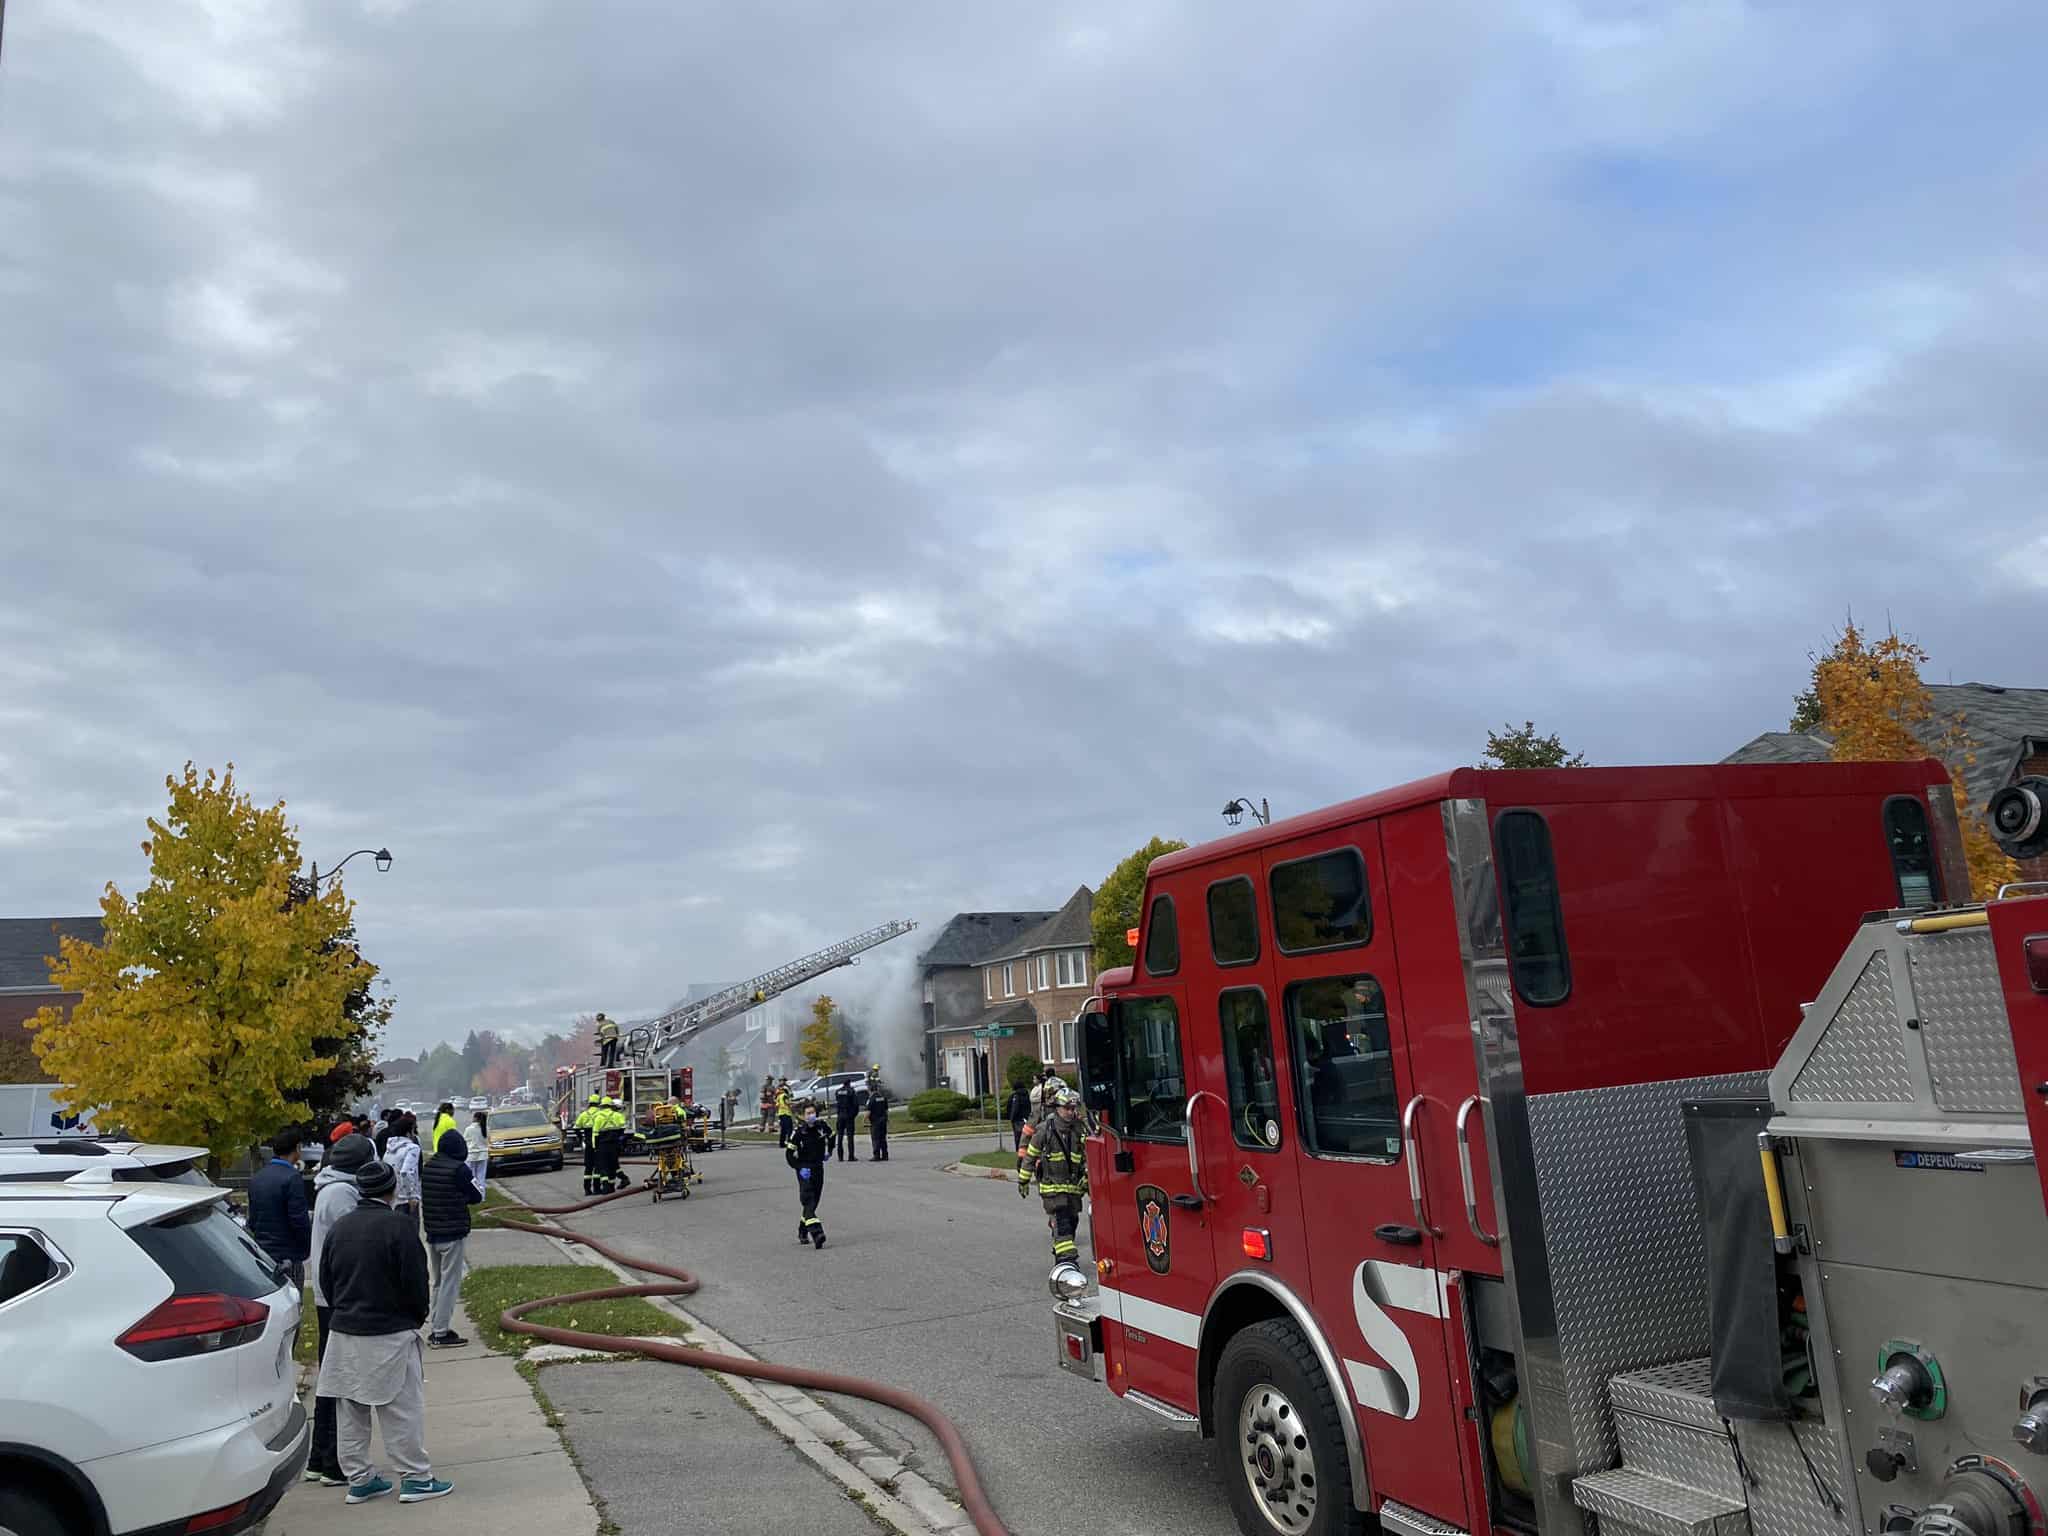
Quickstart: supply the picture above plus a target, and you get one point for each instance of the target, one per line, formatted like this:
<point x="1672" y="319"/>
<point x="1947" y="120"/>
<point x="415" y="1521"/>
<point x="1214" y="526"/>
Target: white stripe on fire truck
<point x="1153" y="1317"/>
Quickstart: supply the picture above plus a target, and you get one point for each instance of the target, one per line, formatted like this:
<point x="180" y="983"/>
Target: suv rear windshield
<point x="203" y="1251"/>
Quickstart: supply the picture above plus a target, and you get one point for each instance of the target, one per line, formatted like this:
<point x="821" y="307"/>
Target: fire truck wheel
<point x="1279" y="1445"/>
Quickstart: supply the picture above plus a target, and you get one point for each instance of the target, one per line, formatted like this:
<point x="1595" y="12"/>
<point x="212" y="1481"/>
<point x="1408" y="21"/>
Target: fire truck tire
<point x="1279" y="1443"/>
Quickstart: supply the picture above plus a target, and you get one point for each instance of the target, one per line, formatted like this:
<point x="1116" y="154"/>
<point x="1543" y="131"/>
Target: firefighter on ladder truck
<point x="1515" y="1150"/>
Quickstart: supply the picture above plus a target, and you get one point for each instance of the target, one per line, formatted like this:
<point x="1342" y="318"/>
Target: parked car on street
<point x="50" y="1160"/>
<point x="523" y="1137"/>
<point x="146" y="1343"/>
<point x="825" y="1090"/>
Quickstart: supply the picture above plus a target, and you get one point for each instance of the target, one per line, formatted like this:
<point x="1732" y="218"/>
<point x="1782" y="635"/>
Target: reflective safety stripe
<point x="1155" y="1318"/>
<point x="1062" y="1189"/>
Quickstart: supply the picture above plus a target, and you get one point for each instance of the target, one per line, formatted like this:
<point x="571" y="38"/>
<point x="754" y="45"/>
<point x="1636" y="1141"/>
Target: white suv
<point x="146" y="1344"/>
<point x="49" y="1159"/>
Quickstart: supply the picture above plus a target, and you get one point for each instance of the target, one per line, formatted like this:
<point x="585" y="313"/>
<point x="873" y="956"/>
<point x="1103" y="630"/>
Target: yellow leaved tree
<point x="820" y="1045"/>
<point x="202" y="1014"/>
<point x="1868" y="697"/>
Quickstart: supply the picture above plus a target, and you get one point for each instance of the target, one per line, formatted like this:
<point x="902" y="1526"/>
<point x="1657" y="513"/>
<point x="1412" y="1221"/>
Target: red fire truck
<point x="1399" y="1194"/>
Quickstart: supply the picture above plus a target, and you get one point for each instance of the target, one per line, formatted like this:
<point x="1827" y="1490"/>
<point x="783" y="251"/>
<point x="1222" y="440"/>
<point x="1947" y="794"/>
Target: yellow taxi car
<point x="523" y="1137"/>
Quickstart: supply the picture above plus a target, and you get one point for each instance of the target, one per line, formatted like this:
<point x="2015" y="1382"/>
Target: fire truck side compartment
<point x="1914" y="1188"/>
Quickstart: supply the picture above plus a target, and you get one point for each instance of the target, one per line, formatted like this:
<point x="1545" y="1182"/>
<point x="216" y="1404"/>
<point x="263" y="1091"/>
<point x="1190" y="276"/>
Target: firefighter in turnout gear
<point x="1058" y="1158"/>
<point x="607" y="1041"/>
<point x="810" y="1144"/>
<point x="878" y="1116"/>
<point x="611" y="1136"/>
<point x="586" y="1125"/>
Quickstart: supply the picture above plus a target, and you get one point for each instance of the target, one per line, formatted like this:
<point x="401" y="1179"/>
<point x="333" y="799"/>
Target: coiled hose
<point x="681" y="1282"/>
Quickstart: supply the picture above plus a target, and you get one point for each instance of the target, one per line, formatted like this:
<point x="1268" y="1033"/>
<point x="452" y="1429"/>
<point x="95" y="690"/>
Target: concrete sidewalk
<point x="487" y="1436"/>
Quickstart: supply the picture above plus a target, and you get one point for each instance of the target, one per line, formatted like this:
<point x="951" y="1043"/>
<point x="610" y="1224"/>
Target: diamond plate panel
<point x="1962" y="1019"/>
<point x="1627" y="1253"/>
<point x="1784" y="1503"/>
<point x="1861" y="1059"/>
<point x="1651" y="1504"/>
<point x="1682" y="1392"/>
<point x="1679" y="1453"/>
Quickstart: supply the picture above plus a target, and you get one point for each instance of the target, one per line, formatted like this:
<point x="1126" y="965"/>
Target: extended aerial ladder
<point x="656" y="1041"/>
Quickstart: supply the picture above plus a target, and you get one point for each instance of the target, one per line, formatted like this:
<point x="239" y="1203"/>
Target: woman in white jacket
<point x="476" y="1136"/>
<point x="402" y="1152"/>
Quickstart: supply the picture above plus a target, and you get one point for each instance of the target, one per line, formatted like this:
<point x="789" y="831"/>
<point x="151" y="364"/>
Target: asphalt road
<point x="934" y="1283"/>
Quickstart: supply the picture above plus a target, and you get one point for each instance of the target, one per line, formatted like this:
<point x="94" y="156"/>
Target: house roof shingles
<point x="27" y="942"/>
<point x="971" y="937"/>
<point x="2004" y="726"/>
<point x="1064" y="929"/>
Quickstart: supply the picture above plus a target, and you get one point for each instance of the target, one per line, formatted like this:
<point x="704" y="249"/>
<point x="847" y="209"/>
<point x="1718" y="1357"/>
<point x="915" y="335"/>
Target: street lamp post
<point x="1234" y="811"/>
<point x="381" y="855"/>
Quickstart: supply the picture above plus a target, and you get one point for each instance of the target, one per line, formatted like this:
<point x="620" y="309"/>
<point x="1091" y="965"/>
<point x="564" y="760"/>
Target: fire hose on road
<point x="681" y="1282"/>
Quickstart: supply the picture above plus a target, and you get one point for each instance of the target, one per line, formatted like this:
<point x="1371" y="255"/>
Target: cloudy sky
<point x="698" y="480"/>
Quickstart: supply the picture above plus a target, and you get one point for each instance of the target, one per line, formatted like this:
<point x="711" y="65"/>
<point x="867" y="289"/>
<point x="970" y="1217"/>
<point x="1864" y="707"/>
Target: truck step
<point x="1626" y="1497"/>
<point x="1679" y="1393"/>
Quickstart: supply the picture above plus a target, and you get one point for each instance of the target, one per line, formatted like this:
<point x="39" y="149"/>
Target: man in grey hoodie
<point x="334" y="1196"/>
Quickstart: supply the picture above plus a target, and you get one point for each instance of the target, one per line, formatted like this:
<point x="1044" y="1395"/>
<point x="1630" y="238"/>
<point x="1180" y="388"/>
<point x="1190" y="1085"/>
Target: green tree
<point x="1512" y="748"/>
<point x="1116" y="902"/>
<point x="819" y="1047"/>
<point x="1021" y="1071"/>
<point x="199" y="1016"/>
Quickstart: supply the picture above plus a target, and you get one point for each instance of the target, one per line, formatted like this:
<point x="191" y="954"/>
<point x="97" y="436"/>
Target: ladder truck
<point x="651" y="1046"/>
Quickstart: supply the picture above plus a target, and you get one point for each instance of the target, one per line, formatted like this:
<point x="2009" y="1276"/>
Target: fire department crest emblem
<point x="1155" y="1228"/>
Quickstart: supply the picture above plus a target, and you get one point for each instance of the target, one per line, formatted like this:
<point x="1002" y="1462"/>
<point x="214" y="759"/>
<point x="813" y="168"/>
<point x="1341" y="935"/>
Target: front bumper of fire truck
<point x="1077" y="1320"/>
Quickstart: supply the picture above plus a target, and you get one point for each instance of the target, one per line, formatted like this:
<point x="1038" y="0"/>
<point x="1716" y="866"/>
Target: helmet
<point x="1066" y="1098"/>
<point x="874" y="1067"/>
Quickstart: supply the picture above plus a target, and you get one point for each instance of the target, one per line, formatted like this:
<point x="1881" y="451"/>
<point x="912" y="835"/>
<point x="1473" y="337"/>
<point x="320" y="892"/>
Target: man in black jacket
<point x="374" y="1275"/>
<point x="447" y="1191"/>
<point x="847" y="1105"/>
<point x="809" y="1145"/>
<point x="878" y="1117"/>
<point x="279" y="1218"/>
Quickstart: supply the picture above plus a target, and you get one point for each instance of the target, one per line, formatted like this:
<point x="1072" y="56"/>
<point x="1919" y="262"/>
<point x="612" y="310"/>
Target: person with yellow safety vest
<point x="785" y="1114"/>
<point x="1058" y="1157"/>
<point x="584" y="1126"/>
<point x="607" y="1041"/>
<point x="611" y="1138"/>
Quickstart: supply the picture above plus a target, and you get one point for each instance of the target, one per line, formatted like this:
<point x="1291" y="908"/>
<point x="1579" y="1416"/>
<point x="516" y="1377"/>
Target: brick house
<point x="2007" y="729"/>
<point x="952" y="990"/>
<point x="1035" y="985"/>
<point x="27" y="945"/>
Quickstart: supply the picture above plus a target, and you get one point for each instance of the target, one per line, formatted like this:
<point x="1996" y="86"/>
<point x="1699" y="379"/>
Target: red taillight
<point x="214" y="1519"/>
<point x="1073" y="1346"/>
<point x="1258" y="1244"/>
<point x="195" y="1325"/>
<point x="2035" y="948"/>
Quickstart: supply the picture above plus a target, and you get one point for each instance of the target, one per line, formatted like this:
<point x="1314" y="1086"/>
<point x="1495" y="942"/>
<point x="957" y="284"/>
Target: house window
<point x="1073" y="968"/>
<point x="988" y="983"/>
<point x="1045" y="972"/>
<point x="1068" y="1044"/>
<point x="1044" y="1041"/>
<point x="927" y="989"/>
<point x="1009" y="981"/>
<point x="1028" y="969"/>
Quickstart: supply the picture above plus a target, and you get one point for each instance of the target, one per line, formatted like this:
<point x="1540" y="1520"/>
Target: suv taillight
<point x="195" y="1325"/>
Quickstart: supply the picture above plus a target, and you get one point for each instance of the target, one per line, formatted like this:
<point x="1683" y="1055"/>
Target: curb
<point x="902" y="1499"/>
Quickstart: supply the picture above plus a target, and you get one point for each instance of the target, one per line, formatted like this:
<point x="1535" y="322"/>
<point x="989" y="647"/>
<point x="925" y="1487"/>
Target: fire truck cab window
<point x="1151" y="1089"/>
<point x="1249" y="1065"/>
<point x="1162" y="939"/>
<point x="1912" y="846"/>
<point x="1535" y="919"/>
<point x="1320" y="902"/>
<point x="1344" y="1064"/>
<point x="1233" y="922"/>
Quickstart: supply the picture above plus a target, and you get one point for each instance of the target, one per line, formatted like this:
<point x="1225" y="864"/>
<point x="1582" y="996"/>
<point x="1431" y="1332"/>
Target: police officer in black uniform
<point x="846" y="1103"/>
<point x="810" y="1144"/>
<point x="878" y="1116"/>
